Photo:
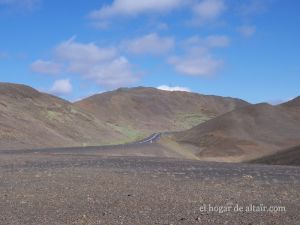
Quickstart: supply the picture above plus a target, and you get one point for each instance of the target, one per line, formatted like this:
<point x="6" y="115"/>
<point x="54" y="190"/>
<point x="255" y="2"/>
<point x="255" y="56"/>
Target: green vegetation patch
<point x="51" y="115"/>
<point x="190" y="120"/>
<point x="130" y="134"/>
<point x="55" y="116"/>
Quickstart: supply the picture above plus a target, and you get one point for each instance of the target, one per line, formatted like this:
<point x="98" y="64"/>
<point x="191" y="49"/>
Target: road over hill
<point x="49" y="187"/>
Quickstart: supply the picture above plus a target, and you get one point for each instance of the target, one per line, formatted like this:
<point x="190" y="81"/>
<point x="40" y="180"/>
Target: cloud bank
<point x="197" y="58"/>
<point x="102" y="65"/>
<point x="133" y="7"/>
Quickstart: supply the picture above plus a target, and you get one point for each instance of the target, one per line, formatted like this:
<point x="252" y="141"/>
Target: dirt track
<point x="51" y="188"/>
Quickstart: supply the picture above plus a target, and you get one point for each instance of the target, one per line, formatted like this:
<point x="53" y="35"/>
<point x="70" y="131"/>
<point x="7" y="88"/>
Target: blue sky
<point x="248" y="49"/>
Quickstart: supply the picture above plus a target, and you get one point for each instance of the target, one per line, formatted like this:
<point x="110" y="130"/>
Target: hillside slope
<point x="30" y="119"/>
<point x="149" y="110"/>
<point x="245" y="133"/>
<point x="289" y="157"/>
<point x="293" y="105"/>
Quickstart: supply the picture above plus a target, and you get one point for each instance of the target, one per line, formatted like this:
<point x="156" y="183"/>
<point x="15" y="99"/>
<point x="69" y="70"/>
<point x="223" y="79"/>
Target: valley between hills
<point x="145" y="156"/>
<point x="194" y="126"/>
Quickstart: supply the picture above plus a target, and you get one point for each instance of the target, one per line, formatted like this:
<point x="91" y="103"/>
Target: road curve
<point x="151" y="139"/>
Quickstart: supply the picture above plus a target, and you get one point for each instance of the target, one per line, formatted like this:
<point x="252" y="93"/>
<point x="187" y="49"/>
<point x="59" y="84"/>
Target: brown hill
<point x="289" y="157"/>
<point x="147" y="110"/>
<point x="294" y="103"/>
<point x="30" y="119"/>
<point x="245" y="133"/>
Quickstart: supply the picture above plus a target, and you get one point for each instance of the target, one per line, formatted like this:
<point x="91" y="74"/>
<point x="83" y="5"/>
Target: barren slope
<point x="149" y="110"/>
<point x="30" y="119"/>
<point x="289" y="157"/>
<point x="294" y="103"/>
<point x="245" y="133"/>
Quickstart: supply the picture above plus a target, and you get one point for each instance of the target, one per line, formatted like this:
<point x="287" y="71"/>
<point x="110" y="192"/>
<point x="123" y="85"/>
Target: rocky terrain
<point x="87" y="189"/>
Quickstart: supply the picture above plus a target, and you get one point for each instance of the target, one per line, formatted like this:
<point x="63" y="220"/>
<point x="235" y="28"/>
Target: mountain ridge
<point x="151" y="110"/>
<point x="214" y="127"/>
<point x="32" y="119"/>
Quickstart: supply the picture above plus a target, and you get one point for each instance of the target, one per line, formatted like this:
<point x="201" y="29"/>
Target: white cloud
<point x="204" y="11"/>
<point x="176" y="88"/>
<point x="150" y="44"/>
<point x="102" y="65"/>
<point x="209" y="9"/>
<point x="197" y="59"/>
<point x="46" y="67"/>
<point x="78" y="52"/>
<point x="110" y="74"/>
<point x="134" y="7"/>
<point x="247" y="31"/>
<point x="61" y="87"/>
<point x="196" y="64"/>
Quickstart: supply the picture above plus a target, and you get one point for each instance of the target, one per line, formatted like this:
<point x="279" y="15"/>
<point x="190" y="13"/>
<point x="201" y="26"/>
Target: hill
<point x="293" y="104"/>
<point x="289" y="157"/>
<point x="30" y="119"/>
<point x="148" y="110"/>
<point x="245" y="133"/>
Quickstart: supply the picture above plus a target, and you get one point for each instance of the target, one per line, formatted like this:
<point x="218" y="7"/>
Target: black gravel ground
<point x="47" y="188"/>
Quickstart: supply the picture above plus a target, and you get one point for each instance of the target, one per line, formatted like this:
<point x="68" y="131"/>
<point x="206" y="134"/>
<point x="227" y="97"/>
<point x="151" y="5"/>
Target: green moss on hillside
<point x="188" y="121"/>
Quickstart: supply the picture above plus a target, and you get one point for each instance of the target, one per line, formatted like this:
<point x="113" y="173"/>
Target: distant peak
<point x="293" y="103"/>
<point x="297" y="99"/>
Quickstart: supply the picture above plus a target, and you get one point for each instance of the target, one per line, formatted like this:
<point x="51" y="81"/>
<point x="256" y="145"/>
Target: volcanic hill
<point x="149" y="110"/>
<point x="245" y="133"/>
<point x="31" y="119"/>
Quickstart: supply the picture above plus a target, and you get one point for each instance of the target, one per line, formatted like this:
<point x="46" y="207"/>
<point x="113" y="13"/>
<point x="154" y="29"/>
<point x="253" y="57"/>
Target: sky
<point x="249" y="49"/>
